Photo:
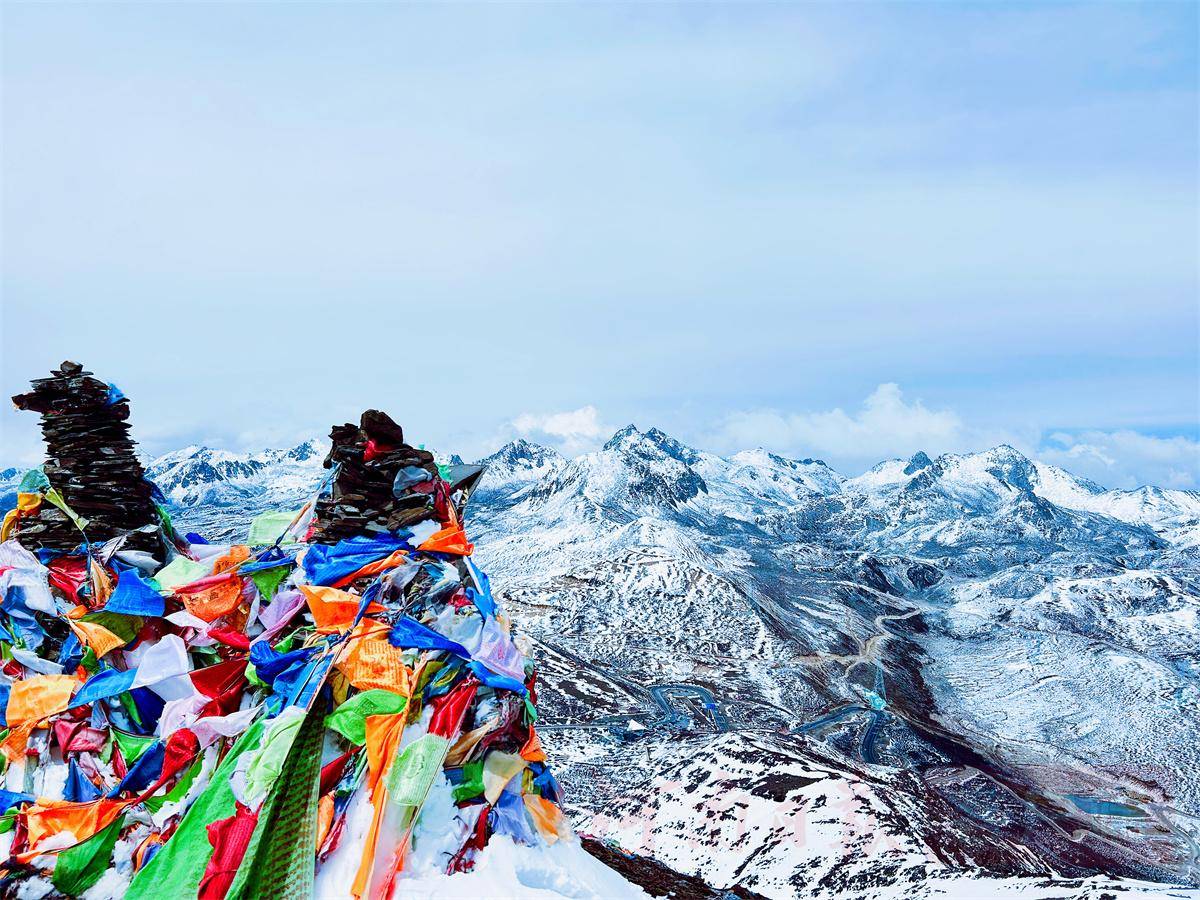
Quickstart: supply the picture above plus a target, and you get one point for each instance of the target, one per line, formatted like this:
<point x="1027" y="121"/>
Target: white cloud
<point x="886" y="426"/>
<point x="573" y="431"/>
<point x="1127" y="459"/>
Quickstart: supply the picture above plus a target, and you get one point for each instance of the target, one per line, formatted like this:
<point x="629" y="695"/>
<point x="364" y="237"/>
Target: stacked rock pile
<point x="90" y="463"/>
<point x="382" y="484"/>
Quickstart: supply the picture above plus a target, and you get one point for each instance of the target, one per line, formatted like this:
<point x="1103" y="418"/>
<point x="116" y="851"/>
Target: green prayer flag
<point x="180" y="571"/>
<point x="34" y="482"/>
<point x="350" y="719"/>
<point x="413" y="771"/>
<point x="58" y="500"/>
<point x="177" y="793"/>
<point x="132" y="745"/>
<point x="266" y="528"/>
<point x="130" y="708"/>
<point x="164" y="517"/>
<point x="472" y="784"/>
<point x="279" y="860"/>
<point x="252" y="677"/>
<point x="123" y="626"/>
<point x="268" y="580"/>
<point x="266" y="766"/>
<point x="80" y="867"/>
<point x="176" y="870"/>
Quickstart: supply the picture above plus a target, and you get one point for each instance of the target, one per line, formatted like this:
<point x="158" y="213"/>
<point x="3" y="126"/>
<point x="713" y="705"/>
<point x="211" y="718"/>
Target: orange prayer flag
<point x="334" y="610"/>
<point x="370" y="661"/>
<point x="96" y="636"/>
<point x="237" y="555"/>
<point x="14" y="745"/>
<point x="449" y="540"/>
<point x="36" y="698"/>
<point x="532" y="750"/>
<point x="48" y="818"/>
<point x="380" y="565"/>
<point x="324" y="818"/>
<point x="367" y="861"/>
<point x="211" y="603"/>
<point x="548" y="817"/>
<point x="383" y="740"/>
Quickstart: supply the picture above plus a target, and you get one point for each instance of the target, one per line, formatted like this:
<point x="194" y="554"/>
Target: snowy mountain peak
<point x="623" y="438"/>
<point x="1005" y="455"/>
<point x="1157" y="507"/>
<point x="634" y="471"/>
<point x="918" y="462"/>
<point x="521" y="454"/>
<point x="1012" y="466"/>
<point x="672" y="447"/>
<point x="519" y="462"/>
<point x="889" y="474"/>
<point x="751" y="468"/>
<point x="307" y="450"/>
<point x="1001" y="468"/>
<point x="651" y="444"/>
<point x="984" y="479"/>
<point x="197" y="475"/>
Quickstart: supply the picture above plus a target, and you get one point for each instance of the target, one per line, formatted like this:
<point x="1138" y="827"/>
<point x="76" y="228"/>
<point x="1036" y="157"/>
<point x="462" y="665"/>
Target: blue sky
<point x="847" y="231"/>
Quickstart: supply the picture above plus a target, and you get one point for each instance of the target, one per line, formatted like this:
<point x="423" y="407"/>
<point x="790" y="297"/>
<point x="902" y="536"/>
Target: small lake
<point x="1094" y="807"/>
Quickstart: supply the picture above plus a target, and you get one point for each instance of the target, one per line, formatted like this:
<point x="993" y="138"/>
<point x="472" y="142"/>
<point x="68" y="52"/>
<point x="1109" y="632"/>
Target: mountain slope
<point x="919" y="665"/>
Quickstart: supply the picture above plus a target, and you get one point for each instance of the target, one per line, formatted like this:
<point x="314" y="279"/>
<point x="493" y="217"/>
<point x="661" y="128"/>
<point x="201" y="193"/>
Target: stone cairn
<point x="382" y="484"/>
<point x="90" y="462"/>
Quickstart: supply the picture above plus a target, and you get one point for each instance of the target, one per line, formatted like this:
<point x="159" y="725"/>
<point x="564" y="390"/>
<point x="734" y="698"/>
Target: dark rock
<point x="91" y="462"/>
<point x="362" y="500"/>
<point x="659" y="880"/>
<point x="918" y="462"/>
<point x="923" y="575"/>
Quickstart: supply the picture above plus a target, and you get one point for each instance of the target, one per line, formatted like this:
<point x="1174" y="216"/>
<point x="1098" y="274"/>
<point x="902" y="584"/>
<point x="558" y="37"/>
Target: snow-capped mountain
<point x="760" y="616"/>
<point x="973" y="674"/>
<point x="515" y="466"/>
<point x="9" y="479"/>
<point x="196" y="476"/>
